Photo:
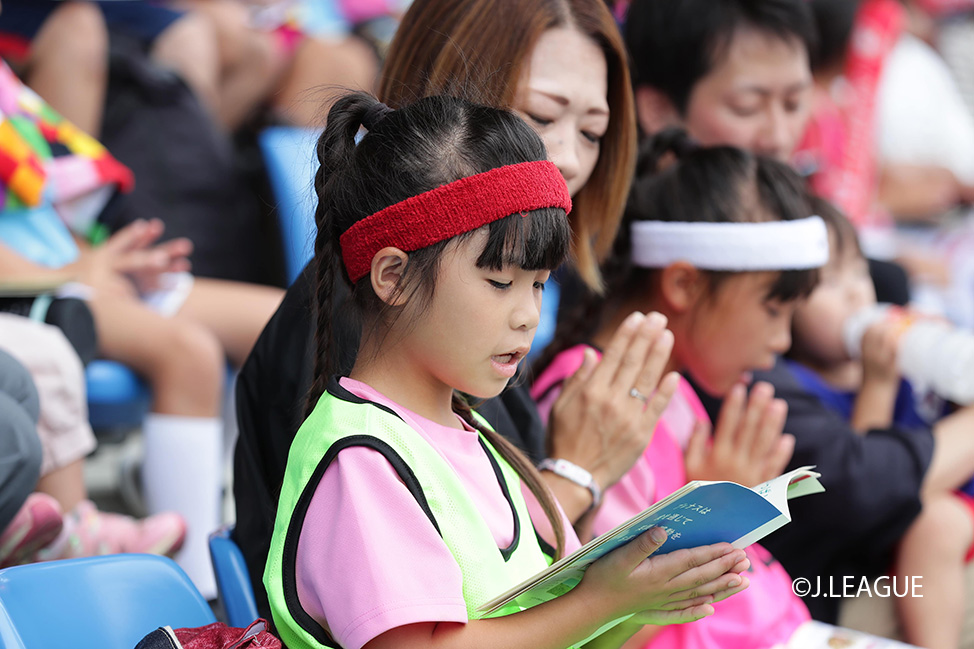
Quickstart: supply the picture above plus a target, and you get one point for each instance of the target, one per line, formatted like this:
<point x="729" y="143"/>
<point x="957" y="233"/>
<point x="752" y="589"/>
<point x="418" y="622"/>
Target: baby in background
<point x="873" y="395"/>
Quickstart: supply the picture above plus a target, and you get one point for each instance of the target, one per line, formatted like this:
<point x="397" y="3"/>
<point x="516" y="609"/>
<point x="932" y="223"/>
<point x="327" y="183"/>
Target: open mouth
<point x="507" y="359"/>
<point x="506" y="364"/>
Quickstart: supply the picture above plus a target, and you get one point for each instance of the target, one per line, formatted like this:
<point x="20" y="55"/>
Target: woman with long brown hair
<point x="561" y="65"/>
<point x="485" y="50"/>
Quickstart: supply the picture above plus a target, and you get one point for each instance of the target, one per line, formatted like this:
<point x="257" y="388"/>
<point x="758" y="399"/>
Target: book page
<point x="778" y="491"/>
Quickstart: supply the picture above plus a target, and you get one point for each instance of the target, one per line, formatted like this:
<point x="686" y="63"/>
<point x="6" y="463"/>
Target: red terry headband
<point x="452" y="209"/>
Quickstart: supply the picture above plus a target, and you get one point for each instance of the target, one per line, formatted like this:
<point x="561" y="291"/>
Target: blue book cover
<point x="699" y="513"/>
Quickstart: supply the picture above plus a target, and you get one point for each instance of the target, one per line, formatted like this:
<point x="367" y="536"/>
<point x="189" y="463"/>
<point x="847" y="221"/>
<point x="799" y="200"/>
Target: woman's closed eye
<point x="592" y="137"/>
<point x="540" y="121"/>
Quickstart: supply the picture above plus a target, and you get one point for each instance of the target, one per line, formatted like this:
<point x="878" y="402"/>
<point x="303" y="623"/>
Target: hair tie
<point x="661" y="151"/>
<point x="375" y="114"/>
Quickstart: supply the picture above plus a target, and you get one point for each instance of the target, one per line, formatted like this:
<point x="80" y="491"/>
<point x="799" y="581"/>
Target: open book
<point x="699" y="513"/>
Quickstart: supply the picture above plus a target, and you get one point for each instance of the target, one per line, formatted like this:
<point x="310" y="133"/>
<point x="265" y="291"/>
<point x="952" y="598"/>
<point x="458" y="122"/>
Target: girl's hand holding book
<point x="671" y="588"/>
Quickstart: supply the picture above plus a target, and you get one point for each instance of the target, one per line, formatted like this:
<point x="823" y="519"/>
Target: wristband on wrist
<point x="573" y="473"/>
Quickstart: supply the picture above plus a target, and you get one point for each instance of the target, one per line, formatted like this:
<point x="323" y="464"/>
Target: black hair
<point x="676" y="180"/>
<point x="406" y="152"/>
<point x="842" y="237"/>
<point x="721" y="184"/>
<point x="675" y="43"/>
<point x="834" y="20"/>
<point x="841" y="230"/>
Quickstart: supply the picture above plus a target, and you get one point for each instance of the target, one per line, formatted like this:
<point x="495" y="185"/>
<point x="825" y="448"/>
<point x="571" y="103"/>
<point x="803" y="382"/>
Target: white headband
<point x="770" y="245"/>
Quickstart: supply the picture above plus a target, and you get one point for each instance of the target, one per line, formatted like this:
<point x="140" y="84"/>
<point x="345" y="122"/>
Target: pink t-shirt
<point x="765" y="614"/>
<point x="369" y="560"/>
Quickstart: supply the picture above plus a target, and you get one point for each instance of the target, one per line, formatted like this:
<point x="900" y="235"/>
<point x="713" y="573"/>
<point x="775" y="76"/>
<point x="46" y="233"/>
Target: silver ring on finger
<point x="636" y="394"/>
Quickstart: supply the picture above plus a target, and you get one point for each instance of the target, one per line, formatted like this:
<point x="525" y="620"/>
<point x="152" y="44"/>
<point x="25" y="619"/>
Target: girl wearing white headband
<point x="720" y="248"/>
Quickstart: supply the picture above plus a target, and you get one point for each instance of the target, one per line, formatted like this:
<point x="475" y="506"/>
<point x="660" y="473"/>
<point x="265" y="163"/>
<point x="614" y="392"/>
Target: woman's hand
<point x="669" y="588"/>
<point x="95" y="268"/>
<point x="129" y="262"/>
<point x="748" y="446"/>
<point x="136" y="255"/>
<point x="605" y="416"/>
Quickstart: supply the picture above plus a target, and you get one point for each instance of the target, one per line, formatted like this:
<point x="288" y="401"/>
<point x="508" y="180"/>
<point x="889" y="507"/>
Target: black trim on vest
<point x="290" y="551"/>
<point x="509" y="550"/>
<point x="338" y="391"/>
<point x="546" y="547"/>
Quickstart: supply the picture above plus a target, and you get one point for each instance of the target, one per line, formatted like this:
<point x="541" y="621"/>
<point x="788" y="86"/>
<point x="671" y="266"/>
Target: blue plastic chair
<point x="289" y="155"/>
<point x="108" y="602"/>
<point x="232" y="579"/>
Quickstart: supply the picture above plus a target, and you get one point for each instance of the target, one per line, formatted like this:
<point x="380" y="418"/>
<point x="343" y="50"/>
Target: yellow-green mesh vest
<point x="339" y="420"/>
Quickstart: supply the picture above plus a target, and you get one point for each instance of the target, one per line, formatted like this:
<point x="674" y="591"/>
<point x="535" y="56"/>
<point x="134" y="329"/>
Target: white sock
<point x="183" y="472"/>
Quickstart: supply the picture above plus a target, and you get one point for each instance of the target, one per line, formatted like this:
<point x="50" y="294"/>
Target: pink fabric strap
<point x="453" y="209"/>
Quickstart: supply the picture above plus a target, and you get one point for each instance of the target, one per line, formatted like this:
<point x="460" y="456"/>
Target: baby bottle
<point x="933" y="355"/>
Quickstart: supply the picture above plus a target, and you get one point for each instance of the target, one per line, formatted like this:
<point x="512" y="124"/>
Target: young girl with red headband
<point x="401" y="511"/>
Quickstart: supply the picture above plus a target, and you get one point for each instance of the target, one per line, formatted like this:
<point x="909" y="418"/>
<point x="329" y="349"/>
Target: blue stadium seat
<point x="117" y="399"/>
<point x="232" y="578"/>
<point x="549" y="319"/>
<point x="108" y="602"/>
<point x="289" y="155"/>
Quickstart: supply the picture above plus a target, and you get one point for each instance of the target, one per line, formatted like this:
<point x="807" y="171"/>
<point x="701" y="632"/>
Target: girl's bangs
<point x="793" y="285"/>
<point x="539" y="240"/>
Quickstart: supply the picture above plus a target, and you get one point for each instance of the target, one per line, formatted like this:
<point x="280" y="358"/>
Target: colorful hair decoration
<point x="453" y="209"/>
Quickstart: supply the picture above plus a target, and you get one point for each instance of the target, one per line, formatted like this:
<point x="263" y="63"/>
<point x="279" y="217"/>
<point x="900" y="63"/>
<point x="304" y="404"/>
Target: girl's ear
<point x="682" y="286"/>
<point x="388" y="267"/>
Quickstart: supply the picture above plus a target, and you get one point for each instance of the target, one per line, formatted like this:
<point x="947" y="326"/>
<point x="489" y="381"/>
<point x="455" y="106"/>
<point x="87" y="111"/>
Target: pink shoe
<point x="38" y="522"/>
<point x="158" y="534"/>
<point x="91" y="532"/>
